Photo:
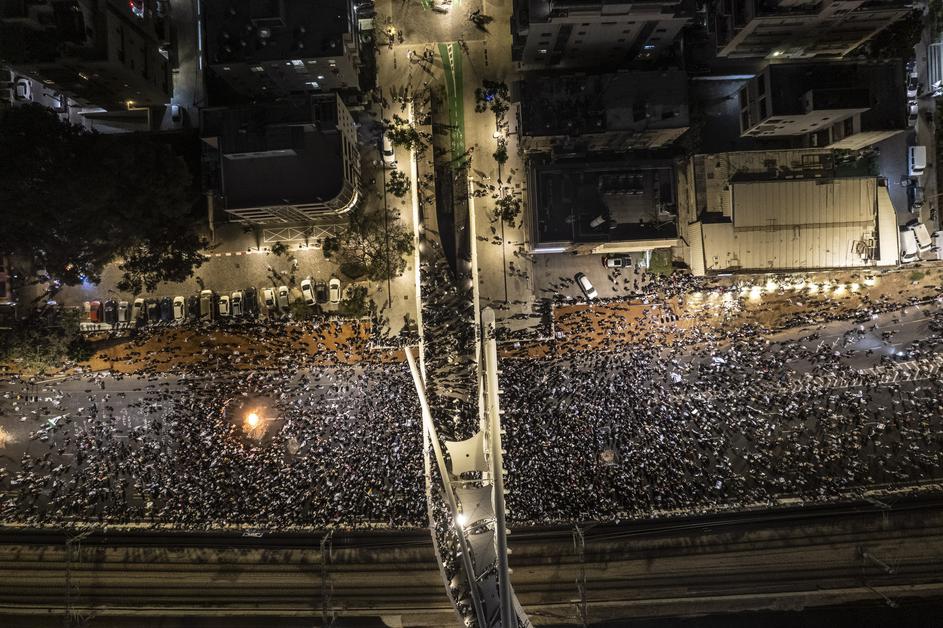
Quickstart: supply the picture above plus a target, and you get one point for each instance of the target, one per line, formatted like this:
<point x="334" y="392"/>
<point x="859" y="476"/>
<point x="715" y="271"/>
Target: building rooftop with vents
<point x="789" y="210"/>
<point x="281" y="47"/>
<point x="616" y="111"/>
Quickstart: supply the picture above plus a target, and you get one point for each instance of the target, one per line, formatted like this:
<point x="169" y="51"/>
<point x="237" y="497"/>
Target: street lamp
<point x="252" y="420"/>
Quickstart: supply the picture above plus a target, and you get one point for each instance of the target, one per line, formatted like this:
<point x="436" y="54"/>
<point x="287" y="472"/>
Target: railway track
<point x="786" y="559"/>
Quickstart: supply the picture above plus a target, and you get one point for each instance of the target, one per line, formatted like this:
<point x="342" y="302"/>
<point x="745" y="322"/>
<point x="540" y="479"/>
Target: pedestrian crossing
<point x="909" y="371"/>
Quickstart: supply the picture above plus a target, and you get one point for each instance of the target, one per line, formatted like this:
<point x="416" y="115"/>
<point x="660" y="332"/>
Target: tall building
<point x="819" y="104"/>
<point x="289" y="162"/>
<point x="614" y="112"/>
<point x="110" y="53"/>
<point x="586" y="33"/>
<point x="799" y="29"/>
<point x="276" y="48"/>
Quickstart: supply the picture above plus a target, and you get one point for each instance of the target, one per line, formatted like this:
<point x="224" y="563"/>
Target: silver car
<point x="235" y="303"/>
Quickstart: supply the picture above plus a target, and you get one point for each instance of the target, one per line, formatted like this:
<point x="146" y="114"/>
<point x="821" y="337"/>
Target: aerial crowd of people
<point x="615" y="428"/>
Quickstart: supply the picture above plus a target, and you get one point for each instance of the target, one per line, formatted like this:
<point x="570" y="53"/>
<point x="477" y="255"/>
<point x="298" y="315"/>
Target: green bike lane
<point x="451" y="55"/>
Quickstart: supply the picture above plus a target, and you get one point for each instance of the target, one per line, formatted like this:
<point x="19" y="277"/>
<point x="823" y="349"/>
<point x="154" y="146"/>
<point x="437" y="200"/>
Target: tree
<point x="402" y="133"/>
<point x="76" y="201"/>
<point x="279" y="249"/>
<point x="501" y="154"/>
<point x="164" y="257"/>
<point x="508" y="208"/>
<point x="373" y="245"/>
<point x="397" y="184"/>
<point x="46" y="339"/>
<point x="355" y="304"/>
<point x="492" y="95"/>
<point x="299" y="310"/>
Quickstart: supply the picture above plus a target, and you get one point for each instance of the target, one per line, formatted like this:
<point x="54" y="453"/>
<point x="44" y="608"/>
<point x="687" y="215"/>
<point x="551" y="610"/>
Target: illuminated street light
<point x="252" y="420"/>
<point x="461" y="520"/>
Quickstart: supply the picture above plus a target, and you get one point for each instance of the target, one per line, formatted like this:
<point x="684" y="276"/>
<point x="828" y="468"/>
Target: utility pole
<point x="579" y="545"/>
<point x="73" y="549"/>
<point x="327" y="588"/>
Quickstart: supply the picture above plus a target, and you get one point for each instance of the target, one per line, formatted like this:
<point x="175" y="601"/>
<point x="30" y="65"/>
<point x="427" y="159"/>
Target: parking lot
<point x="554" y="273"/>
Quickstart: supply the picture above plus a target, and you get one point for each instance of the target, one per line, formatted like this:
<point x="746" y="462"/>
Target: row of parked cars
<point x="208" y="305"/>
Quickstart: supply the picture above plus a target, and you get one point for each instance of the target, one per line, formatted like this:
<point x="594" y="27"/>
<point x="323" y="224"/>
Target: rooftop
<point x="840" y="85"/>
<point x="268" y="30"/>
<point x="589" y="202"/>
<point x="282" y="153"/>
<point x="799" y="224"/>
<point x="578" y="104"/>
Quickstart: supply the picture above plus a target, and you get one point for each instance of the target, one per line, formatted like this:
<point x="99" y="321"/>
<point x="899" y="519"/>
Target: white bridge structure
<point x="472" y="480"/>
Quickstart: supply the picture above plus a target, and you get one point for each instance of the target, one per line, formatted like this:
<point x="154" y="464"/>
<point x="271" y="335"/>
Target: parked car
<point x="913" y="85"/>
<point x="95" y="311"/>
<point x="334" y="290"/>
<point x="320" y="292"/>
<point x="207" y="305"/>
<point x="307" y="291"/>
<point x="110" y="312"/>
<point x="152" y="309"/>
<point x="251" y="302"/>
<point x="909" y="251"/>
<point x="180" y="309"/>
<point x="24" y="89"/>
<point x="268" y="298"/>
<point x="137" y="310"/>
<point x="236" y="303"/>
<point x="586" y="286"/>
<point x="616" y="261"/>
<point x="389" y="157"/>
<point x="223" y="306"/>
<point x="166" y="309"/>
<point x="283" y="297"/>
<point x="124" y="312"/>
<point x="193" y="307"/>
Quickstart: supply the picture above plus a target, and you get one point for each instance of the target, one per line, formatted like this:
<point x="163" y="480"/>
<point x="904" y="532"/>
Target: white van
<point x="916" y="160"/>
<point x="922" y="236"/>
<point x="908" y="246"/>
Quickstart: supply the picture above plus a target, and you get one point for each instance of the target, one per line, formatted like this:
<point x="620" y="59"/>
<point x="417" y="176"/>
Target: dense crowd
<point x="626" y="427"/>
<point x="334" y="456"/>
<point x="620" y="435"/>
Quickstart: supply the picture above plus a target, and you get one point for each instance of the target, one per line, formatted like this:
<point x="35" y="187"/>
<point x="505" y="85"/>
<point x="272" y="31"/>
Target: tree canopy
<point x="75" y="201"/>
<point x="371" y="246"/>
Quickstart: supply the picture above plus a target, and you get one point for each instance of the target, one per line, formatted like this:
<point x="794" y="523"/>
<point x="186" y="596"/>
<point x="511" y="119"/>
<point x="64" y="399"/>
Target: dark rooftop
<point x="578" y="104"/>
<point x="872" y="84"/>
<point x="287" y="152"/>
<point x="268" y="30"/>
<point x="604" y="202"/>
